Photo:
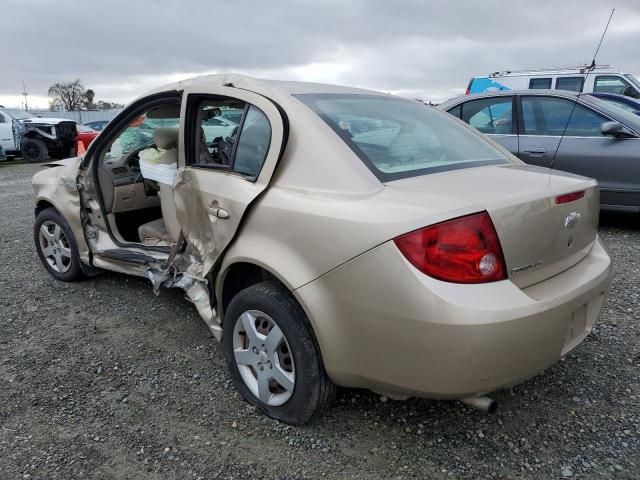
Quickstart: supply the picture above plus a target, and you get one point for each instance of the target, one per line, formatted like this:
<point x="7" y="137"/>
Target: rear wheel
<point x="34" y="150"/>
<point x="272" y="357"/>
<point x="56" y="246"/>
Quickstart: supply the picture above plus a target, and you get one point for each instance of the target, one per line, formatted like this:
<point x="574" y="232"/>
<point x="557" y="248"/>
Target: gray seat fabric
<point x="168" y="206"/>
<point x="151" y="233"/>
<point x="165" y="138"/>
<point x="154" y="233"/>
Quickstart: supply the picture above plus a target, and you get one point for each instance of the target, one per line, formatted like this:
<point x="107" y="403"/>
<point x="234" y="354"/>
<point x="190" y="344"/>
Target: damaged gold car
<point x="334" y="236"/>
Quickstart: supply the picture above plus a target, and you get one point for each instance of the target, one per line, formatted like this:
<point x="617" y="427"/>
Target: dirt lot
<point x="101" y="379"/>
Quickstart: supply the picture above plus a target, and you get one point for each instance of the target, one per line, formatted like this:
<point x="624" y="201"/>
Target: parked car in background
<point x="3" y="156"/>
<point x="219" y="126"/>
<point x="626" y="103"/>
<point x="98" y="125"/>
<point x="604" y="78"/>
<point x="36" y="139"/>
<point x="600" y="141"/>
<point x="85" y="135"/>
<point x="424" y="261"/>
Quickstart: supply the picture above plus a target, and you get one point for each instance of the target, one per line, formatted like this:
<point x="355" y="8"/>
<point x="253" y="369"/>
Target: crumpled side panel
<point x="202" y="246"/>
<point x="58" y="184"/>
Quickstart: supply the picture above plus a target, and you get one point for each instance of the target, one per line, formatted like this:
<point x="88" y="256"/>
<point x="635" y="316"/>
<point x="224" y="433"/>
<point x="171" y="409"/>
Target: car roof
<point x="262" y="86"/>
<point x="505" y="93"/>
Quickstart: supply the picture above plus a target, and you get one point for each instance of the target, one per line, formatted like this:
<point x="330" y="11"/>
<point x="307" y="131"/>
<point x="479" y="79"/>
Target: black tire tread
<point x="324" y="389"/>
<point x="44" y="151"/>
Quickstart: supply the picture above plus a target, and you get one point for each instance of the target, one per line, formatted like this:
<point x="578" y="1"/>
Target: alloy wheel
<point x="55" y="246"/>
<point x="264" y="358"/>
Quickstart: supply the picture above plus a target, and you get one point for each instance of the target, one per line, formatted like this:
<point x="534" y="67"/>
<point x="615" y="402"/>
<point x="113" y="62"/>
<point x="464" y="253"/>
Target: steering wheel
<point x="132" y="160"/>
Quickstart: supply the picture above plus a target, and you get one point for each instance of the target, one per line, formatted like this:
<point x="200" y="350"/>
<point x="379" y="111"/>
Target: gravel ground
<point x="101" y="379"/>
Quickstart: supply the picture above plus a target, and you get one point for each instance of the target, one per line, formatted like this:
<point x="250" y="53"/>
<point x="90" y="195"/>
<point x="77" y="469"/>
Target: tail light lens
<point x="462" y="250"/>
<point x="569" y="197"/>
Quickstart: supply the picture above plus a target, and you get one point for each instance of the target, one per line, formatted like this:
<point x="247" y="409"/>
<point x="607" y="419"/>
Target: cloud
<point x="426" y="49"/>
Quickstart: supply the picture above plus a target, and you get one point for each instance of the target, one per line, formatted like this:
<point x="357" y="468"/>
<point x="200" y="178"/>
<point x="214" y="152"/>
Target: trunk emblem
<point x="572" y="220"/>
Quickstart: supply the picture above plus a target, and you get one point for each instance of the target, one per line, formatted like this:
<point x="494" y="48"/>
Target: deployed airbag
<point x="159" y="165"/>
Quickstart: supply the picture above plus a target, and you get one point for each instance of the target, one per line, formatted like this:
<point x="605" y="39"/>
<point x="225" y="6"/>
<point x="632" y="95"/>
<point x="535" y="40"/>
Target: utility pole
<point x="25" y="94"/>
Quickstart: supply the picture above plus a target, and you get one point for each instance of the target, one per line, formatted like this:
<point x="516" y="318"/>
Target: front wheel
<point x="272" y="357"/>
<point x="34" y="150"/>
<point x="56" y="246"/>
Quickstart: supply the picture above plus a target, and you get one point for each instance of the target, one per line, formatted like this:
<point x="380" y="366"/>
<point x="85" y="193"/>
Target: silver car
<point x="600" y="141"/>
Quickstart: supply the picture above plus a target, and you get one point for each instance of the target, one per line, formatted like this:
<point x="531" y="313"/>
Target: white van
<point x="603" y="78"/>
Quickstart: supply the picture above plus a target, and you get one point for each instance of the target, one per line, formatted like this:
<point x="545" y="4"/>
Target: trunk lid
<point x="539" y="237"/>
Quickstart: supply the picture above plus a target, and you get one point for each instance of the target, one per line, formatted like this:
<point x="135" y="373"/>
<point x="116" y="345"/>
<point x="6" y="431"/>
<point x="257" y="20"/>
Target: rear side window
<point x="549" y="116"/>
<point x="398" y="138"/>
<point x="253" y="143"/>
<point x="540" y="83"/>
<point x="573" y="84"/>
<point x="490" y="115"/>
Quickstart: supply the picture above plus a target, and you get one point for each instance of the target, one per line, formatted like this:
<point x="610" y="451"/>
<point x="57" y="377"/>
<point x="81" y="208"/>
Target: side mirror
<point x="616" y="130"/>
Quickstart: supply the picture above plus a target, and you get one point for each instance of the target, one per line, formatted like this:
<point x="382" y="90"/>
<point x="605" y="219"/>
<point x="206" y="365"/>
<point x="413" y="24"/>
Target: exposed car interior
<point x="141" y="209"/>
<point x="218" y="130"/>
<point x="226" y="144"/>
<point x="137" y="173"/>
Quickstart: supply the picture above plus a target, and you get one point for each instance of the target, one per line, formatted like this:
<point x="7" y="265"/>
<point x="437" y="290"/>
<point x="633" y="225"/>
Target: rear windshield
<point x="398" y="138"/>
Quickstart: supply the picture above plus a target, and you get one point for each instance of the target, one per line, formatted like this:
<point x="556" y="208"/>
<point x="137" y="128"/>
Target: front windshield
<point x="17" y="114"/>
<point x="621" y="105"/>
<point x="398" y="138"/>
<point x="631" y="120"/>
<point x="633" y="80"/>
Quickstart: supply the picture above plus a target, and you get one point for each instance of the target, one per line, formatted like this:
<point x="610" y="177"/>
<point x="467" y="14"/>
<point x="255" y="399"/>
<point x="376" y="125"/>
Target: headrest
<point x="165" y="138"/>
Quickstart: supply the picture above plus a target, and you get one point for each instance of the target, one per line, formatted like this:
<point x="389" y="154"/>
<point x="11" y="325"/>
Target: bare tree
<point x="54" y="105"/>
<point x="70" y="94"/>
<point x="89" y="95"/>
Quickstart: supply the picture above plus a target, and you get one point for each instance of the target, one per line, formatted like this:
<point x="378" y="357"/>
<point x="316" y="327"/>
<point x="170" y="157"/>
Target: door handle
<point x="222" y="214"/>
<point x="218" y="212"/>
<point x="535" y="150"/>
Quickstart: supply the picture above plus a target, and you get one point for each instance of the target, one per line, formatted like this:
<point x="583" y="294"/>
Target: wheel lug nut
<point x="254" y="350"/>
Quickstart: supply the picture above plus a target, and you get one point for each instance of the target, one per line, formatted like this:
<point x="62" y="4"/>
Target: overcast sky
<point x="423" y="49"/>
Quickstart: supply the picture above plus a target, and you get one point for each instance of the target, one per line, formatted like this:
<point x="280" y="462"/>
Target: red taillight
<point x="462" y="250"/>
<point x="467" y="92"/>
<point x="569" y="197"/>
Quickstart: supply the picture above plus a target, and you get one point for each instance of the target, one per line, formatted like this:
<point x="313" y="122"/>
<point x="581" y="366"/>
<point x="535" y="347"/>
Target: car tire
<point x="34" y="150"/>
<point x="297" y="355"/>
<point x="56" y="246"/>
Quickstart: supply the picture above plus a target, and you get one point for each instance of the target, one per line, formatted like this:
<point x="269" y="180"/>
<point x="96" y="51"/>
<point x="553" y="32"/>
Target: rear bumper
<point x="383" y="325"/>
